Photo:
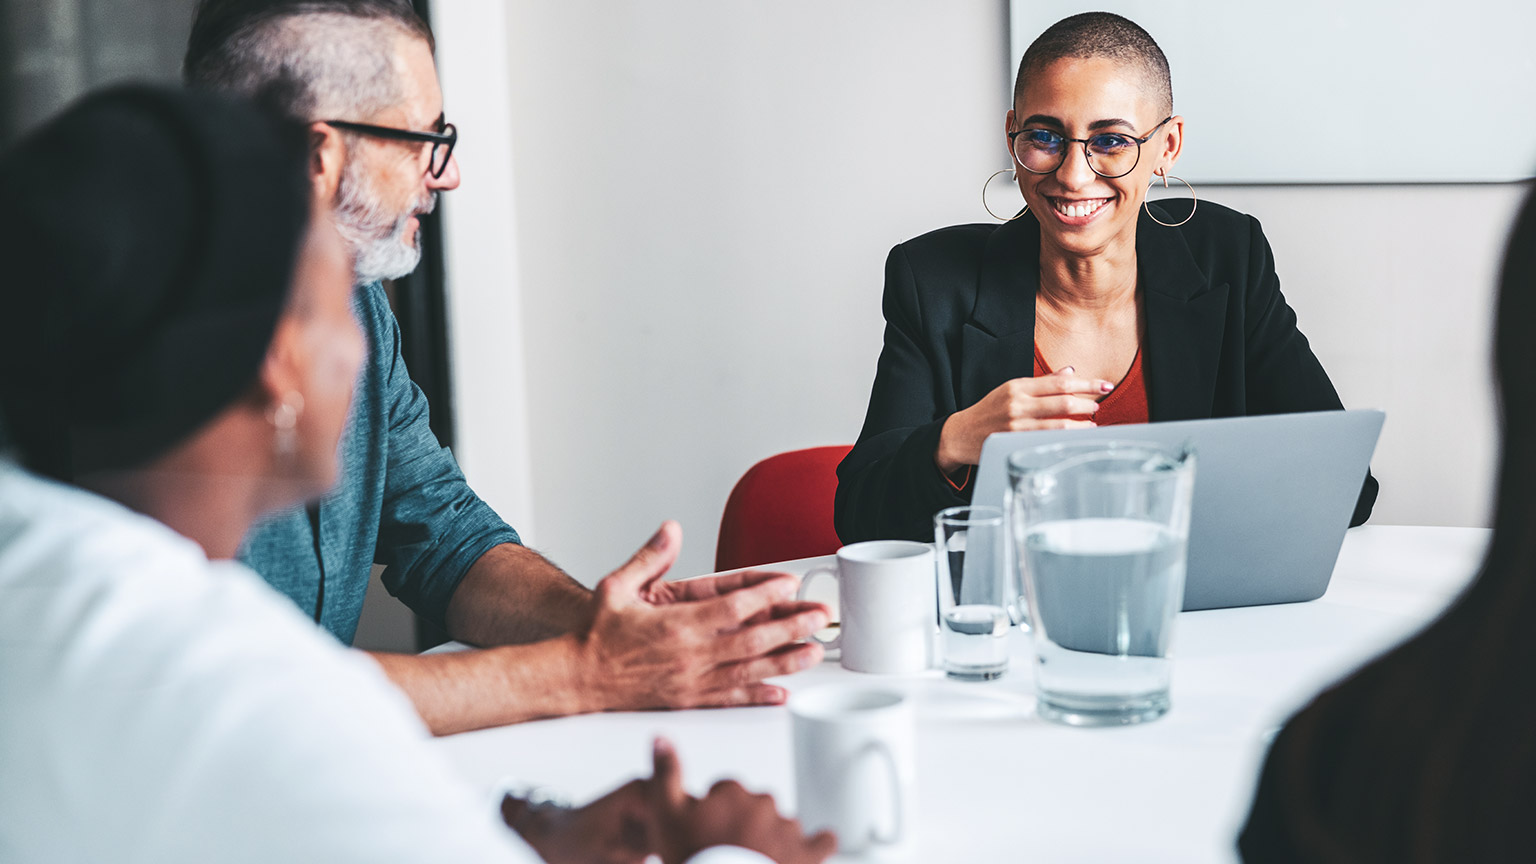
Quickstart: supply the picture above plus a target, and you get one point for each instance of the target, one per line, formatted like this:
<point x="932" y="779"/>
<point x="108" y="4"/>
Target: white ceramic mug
<point x="886" y="606"/>
<point x="854" y="768"/>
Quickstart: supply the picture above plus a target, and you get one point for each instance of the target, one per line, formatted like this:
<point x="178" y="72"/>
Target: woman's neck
<point x="213" y="511"/>
<point x="211" y="488"/>
<point x="1096" y="285"/>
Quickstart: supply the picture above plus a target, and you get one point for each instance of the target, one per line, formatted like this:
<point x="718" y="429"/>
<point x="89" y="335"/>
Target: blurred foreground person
<point x="361" y="75"/>
<point x="1428" y="754"/>
<point x="179" y="341"/>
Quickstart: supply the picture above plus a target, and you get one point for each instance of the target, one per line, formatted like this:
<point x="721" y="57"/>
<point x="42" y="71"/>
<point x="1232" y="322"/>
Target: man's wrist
<point x="580" y="680"/>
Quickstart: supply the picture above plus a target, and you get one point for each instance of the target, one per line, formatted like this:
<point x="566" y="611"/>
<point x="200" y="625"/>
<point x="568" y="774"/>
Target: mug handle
<point x="879" y="748"/>
<point x="805" y="581"/>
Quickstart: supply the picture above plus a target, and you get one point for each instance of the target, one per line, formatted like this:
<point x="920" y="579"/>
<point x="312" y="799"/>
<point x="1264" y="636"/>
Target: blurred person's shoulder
<point x="49" y="529"/>
<point x="87" y="576"/>
<point x="115" y="629"/>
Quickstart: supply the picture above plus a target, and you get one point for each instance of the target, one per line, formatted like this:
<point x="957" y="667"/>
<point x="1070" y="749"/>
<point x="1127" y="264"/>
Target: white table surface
<point x="996" y="782"/>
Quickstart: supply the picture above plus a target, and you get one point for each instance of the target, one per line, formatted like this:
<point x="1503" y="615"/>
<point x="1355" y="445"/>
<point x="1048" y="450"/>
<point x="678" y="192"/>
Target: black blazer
<point x="960" y="320"/>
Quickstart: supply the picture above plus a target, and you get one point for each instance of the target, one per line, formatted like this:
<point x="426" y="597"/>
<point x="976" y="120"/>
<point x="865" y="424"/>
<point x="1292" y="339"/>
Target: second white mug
<point x="886" y="608"/>
<point x="854" y="767"/>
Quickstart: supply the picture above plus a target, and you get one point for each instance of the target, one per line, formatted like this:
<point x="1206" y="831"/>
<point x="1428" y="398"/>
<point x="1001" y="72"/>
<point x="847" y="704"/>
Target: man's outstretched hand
<point x="702" y="642"/>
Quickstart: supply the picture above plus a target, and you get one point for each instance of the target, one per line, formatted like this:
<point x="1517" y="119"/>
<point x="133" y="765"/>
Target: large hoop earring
<point x="1011" y="175"/>
<point x="1192" y="196"/>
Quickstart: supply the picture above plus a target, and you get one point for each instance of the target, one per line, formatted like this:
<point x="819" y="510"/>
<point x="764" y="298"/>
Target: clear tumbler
<point x="975" y="591"/>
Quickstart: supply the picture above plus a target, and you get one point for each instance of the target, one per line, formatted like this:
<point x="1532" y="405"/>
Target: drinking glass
<point x="1101" y="531"/>
<point x="975" y="591"/>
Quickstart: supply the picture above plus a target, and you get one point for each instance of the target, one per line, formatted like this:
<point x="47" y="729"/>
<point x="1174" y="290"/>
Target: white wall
<point x="1394" y="287"/>
<point x="706" y="190"/>
<point x="1402" y="55"/>
<point x="485" y="313"/>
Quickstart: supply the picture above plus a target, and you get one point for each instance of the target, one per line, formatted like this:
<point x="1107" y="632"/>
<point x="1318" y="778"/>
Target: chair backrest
<point x="781" y="509"/>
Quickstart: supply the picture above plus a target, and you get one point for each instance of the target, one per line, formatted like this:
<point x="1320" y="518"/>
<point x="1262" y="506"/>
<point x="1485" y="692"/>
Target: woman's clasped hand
<point x="1059" y="401"/>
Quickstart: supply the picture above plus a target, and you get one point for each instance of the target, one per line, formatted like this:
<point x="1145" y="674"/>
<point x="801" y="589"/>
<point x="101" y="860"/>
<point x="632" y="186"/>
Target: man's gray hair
<point x="309" y="59"/>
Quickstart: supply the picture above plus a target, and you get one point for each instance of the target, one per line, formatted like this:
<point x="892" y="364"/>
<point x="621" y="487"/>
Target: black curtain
<point x="54" y="50"/>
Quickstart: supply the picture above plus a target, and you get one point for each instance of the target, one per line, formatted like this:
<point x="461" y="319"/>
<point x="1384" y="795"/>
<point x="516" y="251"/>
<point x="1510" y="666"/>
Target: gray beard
<point x="378" y="240"/>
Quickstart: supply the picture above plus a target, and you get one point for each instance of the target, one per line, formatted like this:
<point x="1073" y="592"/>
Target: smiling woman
<point x="1090" y="307"/>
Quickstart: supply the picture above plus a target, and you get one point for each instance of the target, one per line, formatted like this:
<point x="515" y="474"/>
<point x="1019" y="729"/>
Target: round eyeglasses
<point x="1110" y="154"/>
<point x="442" y="142"/>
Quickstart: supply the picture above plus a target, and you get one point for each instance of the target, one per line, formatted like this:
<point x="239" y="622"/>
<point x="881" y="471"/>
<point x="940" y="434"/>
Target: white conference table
<point x="997" y="783"/>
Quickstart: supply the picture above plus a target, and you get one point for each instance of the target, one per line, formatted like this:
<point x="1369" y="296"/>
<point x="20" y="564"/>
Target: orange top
<point x="1127" y="403"/>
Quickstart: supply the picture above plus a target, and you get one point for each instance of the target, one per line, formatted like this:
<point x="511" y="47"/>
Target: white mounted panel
<point x="1321" y="91"/>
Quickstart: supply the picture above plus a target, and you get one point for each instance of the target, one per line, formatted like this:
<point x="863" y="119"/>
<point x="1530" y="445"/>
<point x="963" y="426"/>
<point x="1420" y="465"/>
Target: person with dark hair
<point x="180" y="343"/>
<point x="1426" y="753"/>
<point x="1092" y="306"/>
<point x="361" y="75"/>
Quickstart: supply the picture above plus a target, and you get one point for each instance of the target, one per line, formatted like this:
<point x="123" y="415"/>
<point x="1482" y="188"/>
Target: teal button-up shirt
<point x="401" y="501"/>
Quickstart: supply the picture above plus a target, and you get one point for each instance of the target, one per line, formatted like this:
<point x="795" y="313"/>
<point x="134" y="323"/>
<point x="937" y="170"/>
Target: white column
<point x="484" y="297"/>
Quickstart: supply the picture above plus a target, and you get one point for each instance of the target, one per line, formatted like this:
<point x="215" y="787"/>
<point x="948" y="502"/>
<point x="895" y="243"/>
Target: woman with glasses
<point x="1090" y="307"/>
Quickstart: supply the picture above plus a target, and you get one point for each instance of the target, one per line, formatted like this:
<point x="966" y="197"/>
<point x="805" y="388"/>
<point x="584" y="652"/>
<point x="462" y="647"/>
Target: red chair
<point x="781" y="509"/>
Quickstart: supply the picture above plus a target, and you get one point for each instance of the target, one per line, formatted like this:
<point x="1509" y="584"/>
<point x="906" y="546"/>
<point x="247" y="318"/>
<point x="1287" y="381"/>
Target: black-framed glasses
<point x="442" y="142"/>
<point x="1110" y="154"/>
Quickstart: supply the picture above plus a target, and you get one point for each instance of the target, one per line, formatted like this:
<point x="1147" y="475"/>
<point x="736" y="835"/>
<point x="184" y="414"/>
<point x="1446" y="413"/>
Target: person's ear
<point x="1008" y="142"/>
<point x="281" y="370"/>
<point x="1173" y="143"/>
<point x="328" y="154"/>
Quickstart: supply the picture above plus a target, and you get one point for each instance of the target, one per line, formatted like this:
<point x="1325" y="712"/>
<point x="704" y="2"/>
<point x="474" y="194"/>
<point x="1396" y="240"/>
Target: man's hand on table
<point x="704" y="642"/>
<point x="657" y="816"/>
<point x="637" y="642"/>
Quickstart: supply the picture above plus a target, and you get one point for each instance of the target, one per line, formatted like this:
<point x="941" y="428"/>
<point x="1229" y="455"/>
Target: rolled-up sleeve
<point x="432" y="526"/>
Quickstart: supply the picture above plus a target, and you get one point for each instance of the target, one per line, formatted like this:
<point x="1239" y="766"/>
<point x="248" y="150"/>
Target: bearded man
<point x="361" y="75"/>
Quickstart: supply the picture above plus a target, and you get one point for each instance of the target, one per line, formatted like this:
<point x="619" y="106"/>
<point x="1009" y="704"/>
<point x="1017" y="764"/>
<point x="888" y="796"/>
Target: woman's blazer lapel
<point x="1185" y="319"/>
<point x="998" y="343"/>
<point x="1186" y="323"/>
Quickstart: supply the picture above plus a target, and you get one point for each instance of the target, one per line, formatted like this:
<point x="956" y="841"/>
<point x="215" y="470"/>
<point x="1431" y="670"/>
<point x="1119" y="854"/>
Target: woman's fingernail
<point x="1105" y="387"/>
<point x="1067" y="370"/>
<point x="658" y="540"/>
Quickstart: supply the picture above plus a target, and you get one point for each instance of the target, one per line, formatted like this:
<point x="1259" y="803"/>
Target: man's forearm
<point x="465" y="690"/>
<point x="513" y="595"/>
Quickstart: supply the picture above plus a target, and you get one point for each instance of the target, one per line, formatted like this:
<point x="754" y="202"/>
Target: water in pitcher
<point x="1105" y="593"/>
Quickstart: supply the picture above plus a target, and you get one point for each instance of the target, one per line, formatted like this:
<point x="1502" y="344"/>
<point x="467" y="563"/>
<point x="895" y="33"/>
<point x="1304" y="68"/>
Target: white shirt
<point x="157" y="707"/>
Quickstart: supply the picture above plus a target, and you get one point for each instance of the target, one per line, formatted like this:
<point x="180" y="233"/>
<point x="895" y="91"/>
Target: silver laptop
<point x="1273" y="496"/>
